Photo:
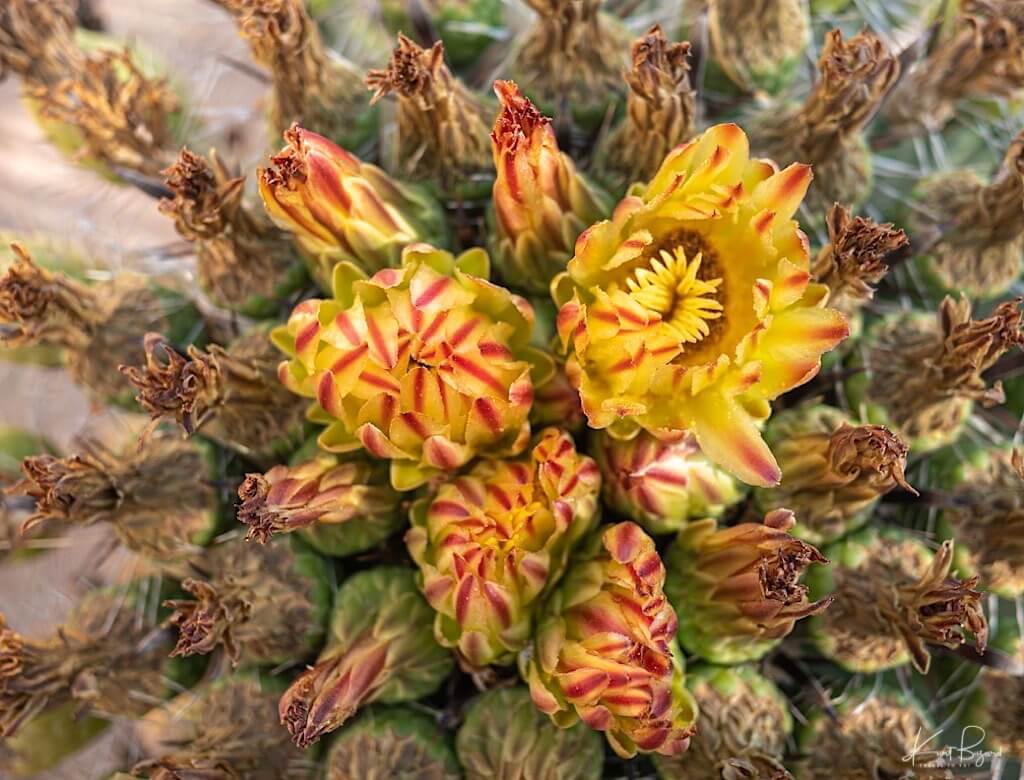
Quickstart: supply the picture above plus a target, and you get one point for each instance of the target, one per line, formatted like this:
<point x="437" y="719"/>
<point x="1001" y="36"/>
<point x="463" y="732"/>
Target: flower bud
<point x="662" y="483"/>
<point x="491" y="542"/>
<point x="380" y="647"/>
<point x="541" y="204"/>
<point x="427" y="365"/>
<point x="341" y="209"/>
<point x="340" y="507"/>
<point x="604" y="650"/>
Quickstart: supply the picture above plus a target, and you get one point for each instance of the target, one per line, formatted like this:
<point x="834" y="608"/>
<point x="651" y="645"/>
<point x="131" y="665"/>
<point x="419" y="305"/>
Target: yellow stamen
<point x="670" y="287"/>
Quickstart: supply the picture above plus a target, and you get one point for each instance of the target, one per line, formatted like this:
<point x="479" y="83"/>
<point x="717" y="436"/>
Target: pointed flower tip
<point x="518" y="116"/>
<point x="254" y="511"/>
<point x="411" y="71"/>
<point x="854" y="450"/>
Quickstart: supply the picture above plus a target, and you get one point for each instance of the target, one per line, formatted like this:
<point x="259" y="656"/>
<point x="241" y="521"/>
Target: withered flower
<point x="312" y="86"/>
<point x="660" y="109"/>
<point x="340" y="506"/>
<point x="230" y="394"/>
<point x="124" y="118"/>
<point x="106" y="657"/>
<point x="974" y="228"/>
<point x="833" y="472"/>
<point x="894" y="597"/>
<point x="737" y="590"/>
<point x="244" y="262"/>
<point x="573" y="54"/>
<point x="37" y="40"/>
<point x="100" y="326"/>
<point x="442" y="126"/>
<point x="264" y="604"/>
<point x="154" y="496"/>
<point x="826" y="131"/>
<point x="924" y="372"/>
<point x="982" y="57"/>
<point x="853" y="260"/>
<point x="225" y="730"/>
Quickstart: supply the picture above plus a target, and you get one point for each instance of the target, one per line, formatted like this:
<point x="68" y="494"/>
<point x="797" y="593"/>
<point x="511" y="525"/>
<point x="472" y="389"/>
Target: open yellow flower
<point x="692" y="307"/>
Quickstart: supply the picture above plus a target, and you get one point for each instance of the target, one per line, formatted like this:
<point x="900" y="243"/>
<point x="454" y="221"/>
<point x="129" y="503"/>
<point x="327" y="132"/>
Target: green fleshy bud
<point x="385" y="743"/>
<point x="504" y="735"/>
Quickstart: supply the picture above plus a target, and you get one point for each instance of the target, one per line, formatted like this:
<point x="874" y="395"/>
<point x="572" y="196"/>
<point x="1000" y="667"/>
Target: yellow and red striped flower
<point x="342" y="209"/>
<point x="605" y="650"/>
<point x="692" y="307"/>
<point x="426" y="365"/>
<point x="491" y="542"/>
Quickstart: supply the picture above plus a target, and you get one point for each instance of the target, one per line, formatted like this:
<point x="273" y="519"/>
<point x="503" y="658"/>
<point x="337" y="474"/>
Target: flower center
<point x="672" y="287"/>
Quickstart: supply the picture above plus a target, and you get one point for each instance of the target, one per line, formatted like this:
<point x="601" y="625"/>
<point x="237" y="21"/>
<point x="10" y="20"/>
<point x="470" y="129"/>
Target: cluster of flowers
<point x="549" y="444"/>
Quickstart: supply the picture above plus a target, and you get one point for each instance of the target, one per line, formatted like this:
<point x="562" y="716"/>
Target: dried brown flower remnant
<point x="104" y="657"/>
<point x="443" y="129"/>
<point x="833" y="472"/>
<point x="893" y="598"/>
<point x="124" y="117"/>
<point x="572" y="53"/>
<point x="311" y="86"/>
<point x="227" y="730"/>
<point x="925" y="372"/>
<point x="232" y="393"/>
<point x="975" y="228"/>
<point x="737" y="590"/>
<point x="937" y="609"/>
<point x="660" y="109"/>
<point x="100" y="325"/>
<point x="854" y="259"/>
<point x="154" y="496"/>
<point x="37" y="39"/>
<point x="983" y="57"/>
<point x="257" y="601"/>
<point x="855" y="75"/>
<point x="243" y="258"/>
<point x="871" y="451"/>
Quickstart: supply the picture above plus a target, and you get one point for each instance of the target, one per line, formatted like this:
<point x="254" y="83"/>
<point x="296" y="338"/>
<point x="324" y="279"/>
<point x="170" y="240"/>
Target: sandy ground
<point x="42" y="192"/>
